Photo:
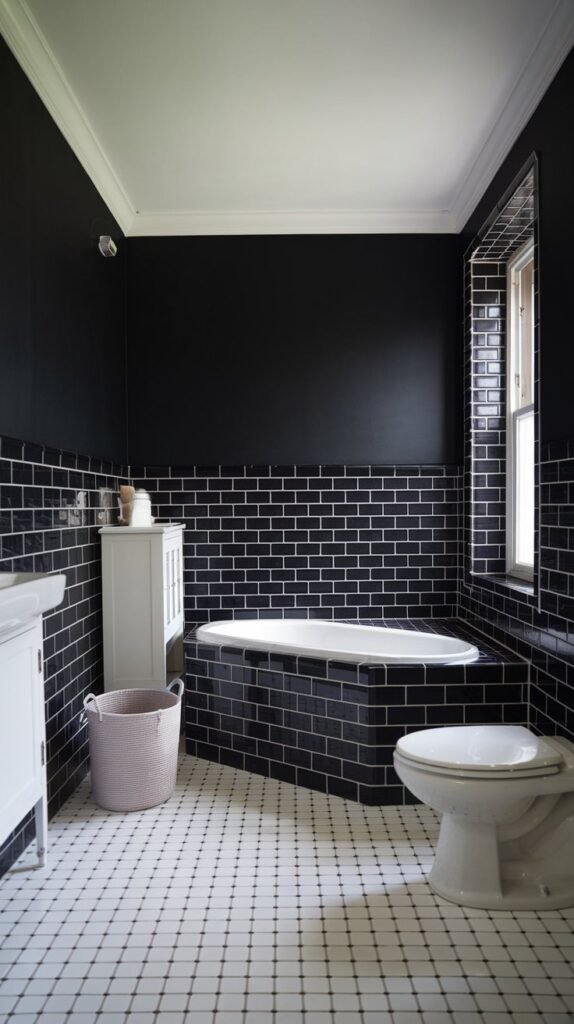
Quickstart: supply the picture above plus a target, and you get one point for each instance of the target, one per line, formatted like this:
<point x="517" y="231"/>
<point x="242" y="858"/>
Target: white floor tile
<point x="248" y="901"/>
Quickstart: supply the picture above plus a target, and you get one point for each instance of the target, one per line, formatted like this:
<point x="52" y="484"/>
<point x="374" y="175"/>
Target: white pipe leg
<point x="41" y="817"/>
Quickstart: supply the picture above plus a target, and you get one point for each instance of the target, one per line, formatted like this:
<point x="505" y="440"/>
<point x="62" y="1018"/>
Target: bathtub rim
<point x="204" y="636"/>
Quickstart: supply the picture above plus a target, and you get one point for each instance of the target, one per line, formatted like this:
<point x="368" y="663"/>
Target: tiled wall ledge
<point x="501" y="584"/>
<point x="332" y="726"/>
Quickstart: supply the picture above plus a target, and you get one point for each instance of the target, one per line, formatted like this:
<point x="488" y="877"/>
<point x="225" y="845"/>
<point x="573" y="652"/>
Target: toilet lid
<point x="481" y="748"/>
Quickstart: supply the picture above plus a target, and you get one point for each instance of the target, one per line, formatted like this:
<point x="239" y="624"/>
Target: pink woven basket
<point x="134" y="738"/>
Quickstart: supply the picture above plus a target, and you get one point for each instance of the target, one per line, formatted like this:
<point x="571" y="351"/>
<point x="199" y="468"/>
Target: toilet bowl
<point x="506" y="798"/>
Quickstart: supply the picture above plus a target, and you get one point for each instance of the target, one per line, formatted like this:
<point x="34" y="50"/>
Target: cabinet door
<point x="21" y="727"/>
<point x="172" y="586"/>
<point x="134" y="654"/>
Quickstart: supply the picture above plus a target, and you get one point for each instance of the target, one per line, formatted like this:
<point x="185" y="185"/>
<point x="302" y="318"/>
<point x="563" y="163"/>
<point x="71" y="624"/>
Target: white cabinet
<point x="142" y="579"/>
<point x="22" y="733"/>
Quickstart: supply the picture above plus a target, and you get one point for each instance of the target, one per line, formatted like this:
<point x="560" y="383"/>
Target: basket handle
<point x="180" y="687"/>
<point x="92" y="697"/>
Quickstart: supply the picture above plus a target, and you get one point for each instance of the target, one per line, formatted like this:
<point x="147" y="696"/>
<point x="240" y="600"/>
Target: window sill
<point x="509" y="582"/>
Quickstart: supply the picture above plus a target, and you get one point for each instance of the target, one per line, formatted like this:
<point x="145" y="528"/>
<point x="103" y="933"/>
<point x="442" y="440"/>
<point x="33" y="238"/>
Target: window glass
<point x="520" y="414"/>
<point x="524" y="540"/>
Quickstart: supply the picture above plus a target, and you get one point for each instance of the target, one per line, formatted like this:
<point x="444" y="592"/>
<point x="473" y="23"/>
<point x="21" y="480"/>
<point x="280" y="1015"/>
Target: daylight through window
<point x="520" y="414"/>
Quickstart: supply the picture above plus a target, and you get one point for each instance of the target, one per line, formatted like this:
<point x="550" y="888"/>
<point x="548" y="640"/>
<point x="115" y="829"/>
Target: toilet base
<point x="473" y="868"/>
<point x="514" y="896"/>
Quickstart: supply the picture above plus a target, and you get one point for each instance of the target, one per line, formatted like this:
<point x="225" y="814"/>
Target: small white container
<point x="141" y="509"/>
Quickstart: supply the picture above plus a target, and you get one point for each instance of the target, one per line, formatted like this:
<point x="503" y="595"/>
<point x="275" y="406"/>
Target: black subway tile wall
<point x="552" y="696"/>
<point x="343" y="542"/>
<point x="557" y="532"/>
<point x="333" y="726"/>
<point x="540" y="627"/>
<point x="42" y="530"/>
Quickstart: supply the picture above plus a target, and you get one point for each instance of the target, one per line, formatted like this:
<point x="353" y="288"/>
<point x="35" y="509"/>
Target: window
<point x="520" y="415"/>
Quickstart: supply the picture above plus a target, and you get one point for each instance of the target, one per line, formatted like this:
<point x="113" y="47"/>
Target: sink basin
<point x="25" y="595"/>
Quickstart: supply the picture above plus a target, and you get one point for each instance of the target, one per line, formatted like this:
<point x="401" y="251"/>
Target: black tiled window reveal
<point x="536" y="621"/>
<point x="486" y="301"/>
<point x="486" y="398"/>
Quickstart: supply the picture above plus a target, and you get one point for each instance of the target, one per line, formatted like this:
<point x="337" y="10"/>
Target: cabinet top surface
<point x="130" y="530"/>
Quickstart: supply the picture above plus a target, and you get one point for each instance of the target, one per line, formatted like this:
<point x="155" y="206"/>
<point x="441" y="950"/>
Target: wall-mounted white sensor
<point x="107" y="246"/>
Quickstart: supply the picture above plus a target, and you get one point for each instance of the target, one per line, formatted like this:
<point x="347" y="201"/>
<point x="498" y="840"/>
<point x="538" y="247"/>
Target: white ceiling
<point x="259" y="116"/>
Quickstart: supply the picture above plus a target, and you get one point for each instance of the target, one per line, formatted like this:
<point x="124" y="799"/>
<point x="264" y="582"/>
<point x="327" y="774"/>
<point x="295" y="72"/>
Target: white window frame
<point x="514" y="410"/>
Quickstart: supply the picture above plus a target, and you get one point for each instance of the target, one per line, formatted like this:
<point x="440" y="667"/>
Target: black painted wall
<point x="315" y="349"/>
<point x="549" y="135"/>
<point x="62" y="309"/>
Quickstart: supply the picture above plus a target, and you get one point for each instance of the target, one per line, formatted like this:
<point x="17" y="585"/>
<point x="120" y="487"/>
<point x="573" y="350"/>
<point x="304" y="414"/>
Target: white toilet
<point x="506" y="798"/>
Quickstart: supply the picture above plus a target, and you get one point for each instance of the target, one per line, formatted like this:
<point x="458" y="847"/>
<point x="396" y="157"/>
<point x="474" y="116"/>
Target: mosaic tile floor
<point x="249" y="901"/>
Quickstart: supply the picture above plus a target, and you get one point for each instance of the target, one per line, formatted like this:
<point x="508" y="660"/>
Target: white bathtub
<point x="338" y="641"/>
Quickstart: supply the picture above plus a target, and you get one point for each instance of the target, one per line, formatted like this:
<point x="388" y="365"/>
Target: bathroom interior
<point x="301" y="273"/>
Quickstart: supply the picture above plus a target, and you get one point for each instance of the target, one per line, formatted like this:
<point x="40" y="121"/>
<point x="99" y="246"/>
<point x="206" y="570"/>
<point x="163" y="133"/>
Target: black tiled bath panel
<point x="332" y="726"/>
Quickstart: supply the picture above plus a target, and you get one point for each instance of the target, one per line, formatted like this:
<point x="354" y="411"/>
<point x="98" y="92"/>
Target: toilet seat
<point x="482" y="751"/>
<point x="462" y="773"/>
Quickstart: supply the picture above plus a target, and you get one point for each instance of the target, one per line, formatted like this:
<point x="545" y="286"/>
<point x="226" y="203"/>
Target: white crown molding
<point x="31" y="50"/>
<point x="33" y="53"/>
<point x="552" y="48"/>
<point x="292" y="222"/>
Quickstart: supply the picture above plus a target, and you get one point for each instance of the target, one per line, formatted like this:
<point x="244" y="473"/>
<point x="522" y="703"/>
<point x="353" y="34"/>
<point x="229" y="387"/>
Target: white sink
<point x="25" y="595"/>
